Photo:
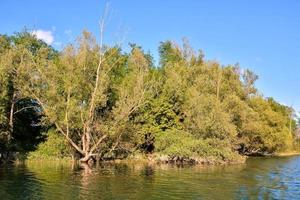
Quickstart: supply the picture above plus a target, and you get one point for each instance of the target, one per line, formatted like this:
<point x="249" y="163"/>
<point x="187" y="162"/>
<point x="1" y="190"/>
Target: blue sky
<point x="262" y="35"/>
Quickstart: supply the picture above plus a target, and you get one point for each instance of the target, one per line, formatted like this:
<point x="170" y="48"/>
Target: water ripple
<point x="260" y="178"/>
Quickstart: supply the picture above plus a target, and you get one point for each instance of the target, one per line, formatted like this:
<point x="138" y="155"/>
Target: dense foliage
<point x="101" y="102"/>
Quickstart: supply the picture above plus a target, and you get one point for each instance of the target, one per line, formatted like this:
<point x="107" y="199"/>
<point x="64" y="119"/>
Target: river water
<point x="259" y="178"/>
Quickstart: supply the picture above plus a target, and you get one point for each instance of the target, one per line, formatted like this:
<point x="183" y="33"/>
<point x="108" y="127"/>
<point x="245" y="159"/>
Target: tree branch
<point x="60" y="129"/>
<point x="97" y="144"/>
<point x="24" y="108"/>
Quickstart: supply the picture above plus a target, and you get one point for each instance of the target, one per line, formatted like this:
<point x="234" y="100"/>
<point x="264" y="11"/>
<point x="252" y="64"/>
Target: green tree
<point x="20" y="115"/>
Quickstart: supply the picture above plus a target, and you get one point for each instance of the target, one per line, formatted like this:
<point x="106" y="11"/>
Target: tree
<point x="249" y="79"/>
<point x="20" y="116"/>
<point x="81" y="80"/>
<point x="107" y="103"/>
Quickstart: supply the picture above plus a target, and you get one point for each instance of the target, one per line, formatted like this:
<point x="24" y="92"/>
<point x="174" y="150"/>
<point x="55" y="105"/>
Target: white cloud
<point x="46" y="36"/>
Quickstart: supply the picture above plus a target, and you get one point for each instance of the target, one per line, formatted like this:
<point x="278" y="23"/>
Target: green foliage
<point x="55" y="147"/>
<point x="20" y="116"/>
<point x="274" y="132"/>
<point x="103" y="101"/>
<point x="207" y="119"/>
<point x="168" y="53"/>
<point x="183" y="144"/>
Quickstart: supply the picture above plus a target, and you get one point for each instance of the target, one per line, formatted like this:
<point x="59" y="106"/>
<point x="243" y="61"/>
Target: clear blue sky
<point x="263" y="35"/>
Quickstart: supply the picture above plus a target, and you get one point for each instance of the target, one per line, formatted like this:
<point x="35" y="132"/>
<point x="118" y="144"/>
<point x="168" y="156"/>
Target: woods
<point x="101" y="102"/>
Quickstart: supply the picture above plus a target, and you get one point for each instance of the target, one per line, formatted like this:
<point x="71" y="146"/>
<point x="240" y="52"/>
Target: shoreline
<point x="159" y="160"/>
<point x="154" y="159"/>
<point x="286" y="154"/>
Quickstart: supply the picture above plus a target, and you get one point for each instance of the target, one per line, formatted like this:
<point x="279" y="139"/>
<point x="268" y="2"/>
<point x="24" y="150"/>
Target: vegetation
<point x="95" y="101"/>
<point x="56" y="147"/>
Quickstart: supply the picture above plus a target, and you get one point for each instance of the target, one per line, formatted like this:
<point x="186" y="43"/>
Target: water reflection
<point x="259" y="178"/>
<point x="19" y="184"/>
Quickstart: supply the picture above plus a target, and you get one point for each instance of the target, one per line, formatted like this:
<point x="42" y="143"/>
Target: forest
<point x="91" y="101"/>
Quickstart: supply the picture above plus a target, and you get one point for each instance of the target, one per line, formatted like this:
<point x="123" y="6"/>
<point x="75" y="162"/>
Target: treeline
<point x="92" y="100"/>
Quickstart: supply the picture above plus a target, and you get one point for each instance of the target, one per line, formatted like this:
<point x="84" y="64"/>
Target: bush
<point x="183" y="144"/>
<point x="55" y="147"/>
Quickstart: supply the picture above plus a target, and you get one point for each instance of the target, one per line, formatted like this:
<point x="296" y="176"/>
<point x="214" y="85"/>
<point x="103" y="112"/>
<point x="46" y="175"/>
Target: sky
<point x="262" y="35"/>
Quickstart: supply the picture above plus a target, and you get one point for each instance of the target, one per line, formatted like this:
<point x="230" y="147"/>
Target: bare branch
<point x="60" y="129"/>
<point x="97" y="144"/>
<point x="69" y="139"/>
<point x="24" y="108"/>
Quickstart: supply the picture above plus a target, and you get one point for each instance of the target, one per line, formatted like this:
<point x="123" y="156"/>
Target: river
<point x="259" y="178"/>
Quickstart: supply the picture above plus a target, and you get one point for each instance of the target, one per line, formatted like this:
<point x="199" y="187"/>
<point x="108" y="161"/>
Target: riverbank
<point x="285" y="154"/>
<point x="162" y="159"/>
<point x="151" y="159"/>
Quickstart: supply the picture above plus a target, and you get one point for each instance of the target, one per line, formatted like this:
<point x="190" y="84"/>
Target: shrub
<point x="183" y="144"/>
<point x="55" y="147"/>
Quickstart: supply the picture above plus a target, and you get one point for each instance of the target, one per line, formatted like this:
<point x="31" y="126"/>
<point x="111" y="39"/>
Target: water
<point x="259" y="178"/>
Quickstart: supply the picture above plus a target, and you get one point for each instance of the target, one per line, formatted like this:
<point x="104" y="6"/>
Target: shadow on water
<point x="259" y="178"/>
<point x="19" y="183"/>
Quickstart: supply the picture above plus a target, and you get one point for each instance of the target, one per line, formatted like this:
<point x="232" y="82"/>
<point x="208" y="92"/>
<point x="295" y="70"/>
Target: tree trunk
<point x="11" y="117"/>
